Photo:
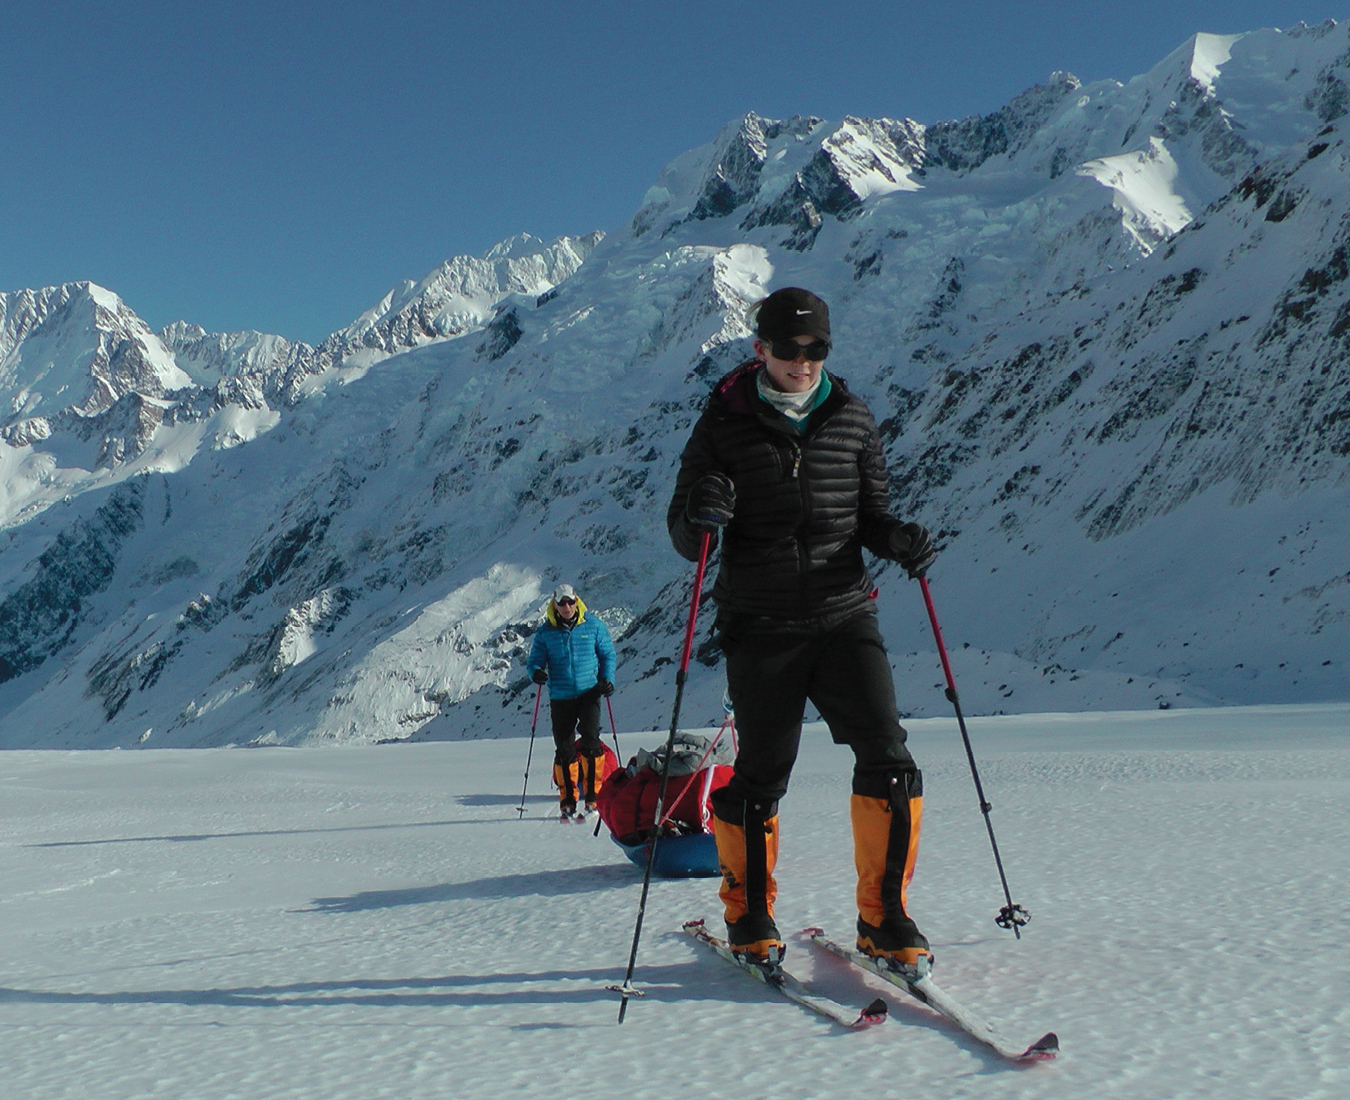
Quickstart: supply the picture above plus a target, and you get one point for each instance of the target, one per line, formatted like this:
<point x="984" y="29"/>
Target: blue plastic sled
<point x="693" y="855"/>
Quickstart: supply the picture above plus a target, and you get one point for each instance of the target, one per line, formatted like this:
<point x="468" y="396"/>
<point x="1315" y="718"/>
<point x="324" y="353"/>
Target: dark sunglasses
<point x="565" y="601"/>
<point x="790" y="350"/>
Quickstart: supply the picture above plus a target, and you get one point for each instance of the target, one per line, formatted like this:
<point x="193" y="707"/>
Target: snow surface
<point x="1211" y="53"/>
<point x="376" y="921"/>
<point x="1143" y="184"/>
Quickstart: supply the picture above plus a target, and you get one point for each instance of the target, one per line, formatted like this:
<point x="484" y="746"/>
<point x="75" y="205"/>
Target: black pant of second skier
<point x="576" y="777"/>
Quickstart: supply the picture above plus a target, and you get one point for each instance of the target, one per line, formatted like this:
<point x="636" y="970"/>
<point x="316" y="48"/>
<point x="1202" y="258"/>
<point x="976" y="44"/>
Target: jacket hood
<point x="554" y="619"/>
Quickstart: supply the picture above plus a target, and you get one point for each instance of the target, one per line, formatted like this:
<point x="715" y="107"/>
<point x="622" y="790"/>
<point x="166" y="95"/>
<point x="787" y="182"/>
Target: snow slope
<point x="330" y="925"/>
<point x="1103" y="330"/>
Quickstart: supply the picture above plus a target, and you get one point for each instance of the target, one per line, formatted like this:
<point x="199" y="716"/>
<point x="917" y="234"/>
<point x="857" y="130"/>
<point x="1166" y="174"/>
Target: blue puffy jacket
<point x="577" y="657"/>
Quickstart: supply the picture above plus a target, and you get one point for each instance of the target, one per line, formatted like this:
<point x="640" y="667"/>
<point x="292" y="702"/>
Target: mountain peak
<point x="521" y="244"/>
<point x="461" y="295"/>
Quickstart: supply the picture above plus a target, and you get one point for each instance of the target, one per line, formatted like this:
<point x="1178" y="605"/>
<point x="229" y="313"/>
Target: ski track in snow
<point x="376" y="922"/>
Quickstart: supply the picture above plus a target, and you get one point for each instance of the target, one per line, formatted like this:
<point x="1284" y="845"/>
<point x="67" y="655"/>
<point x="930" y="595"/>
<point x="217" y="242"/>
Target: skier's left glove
<point x="605" y="688"/>
<point x="912" y="547"/>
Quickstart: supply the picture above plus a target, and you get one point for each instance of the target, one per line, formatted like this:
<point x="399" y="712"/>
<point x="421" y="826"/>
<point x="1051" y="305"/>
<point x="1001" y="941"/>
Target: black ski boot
<point x="898" y="943"/>
<point x="756" y="939"/>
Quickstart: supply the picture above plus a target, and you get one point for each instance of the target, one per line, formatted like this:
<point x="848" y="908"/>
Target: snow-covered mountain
<point x="1104" y="329"/>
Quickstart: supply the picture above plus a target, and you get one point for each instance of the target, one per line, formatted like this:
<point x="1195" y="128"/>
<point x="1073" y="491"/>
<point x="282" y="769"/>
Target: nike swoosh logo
<point x="803" y="312"/>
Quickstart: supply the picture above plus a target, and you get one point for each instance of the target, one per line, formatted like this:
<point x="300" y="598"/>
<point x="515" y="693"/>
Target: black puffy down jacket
<point x="806" y="503"/>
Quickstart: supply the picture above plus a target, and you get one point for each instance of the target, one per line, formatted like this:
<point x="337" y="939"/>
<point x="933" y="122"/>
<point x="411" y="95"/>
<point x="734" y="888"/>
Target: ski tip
<point x="1044" y="1049"/>
<point x="874" y="1013"/>
<point x="813" y="932"/>
<point x="691" y="925"/>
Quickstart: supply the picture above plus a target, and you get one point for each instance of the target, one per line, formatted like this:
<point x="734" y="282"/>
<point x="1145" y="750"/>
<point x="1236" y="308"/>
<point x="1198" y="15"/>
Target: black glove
<point x="912" y="547"/>
<point x="540" y="676"/>
<point x="605" y="687"/>
<point x="712" y="502"/>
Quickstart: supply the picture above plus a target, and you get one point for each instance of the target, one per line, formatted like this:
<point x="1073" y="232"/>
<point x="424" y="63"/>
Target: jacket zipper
<point x="803" y="562"/>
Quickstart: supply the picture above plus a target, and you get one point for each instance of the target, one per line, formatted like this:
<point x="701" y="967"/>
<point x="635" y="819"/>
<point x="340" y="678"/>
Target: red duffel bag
<point x="627" y="802"/>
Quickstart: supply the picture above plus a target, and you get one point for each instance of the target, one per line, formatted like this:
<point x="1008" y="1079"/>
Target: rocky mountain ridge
<point x="70" y="354"/>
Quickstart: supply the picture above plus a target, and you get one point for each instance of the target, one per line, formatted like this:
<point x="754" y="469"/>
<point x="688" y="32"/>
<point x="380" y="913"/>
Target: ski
<point x="922" y="987"/>
<point x="791" y="987"/>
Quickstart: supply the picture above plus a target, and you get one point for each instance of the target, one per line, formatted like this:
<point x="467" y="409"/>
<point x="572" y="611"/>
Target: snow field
<point x="375" y="922"/>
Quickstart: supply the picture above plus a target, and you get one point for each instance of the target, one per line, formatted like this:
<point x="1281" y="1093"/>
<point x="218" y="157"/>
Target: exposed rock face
<point x="40" y="617"/>
<point x="733" y="178"/>
<point x="964" y="145"/>
<point x="244" y="368"/>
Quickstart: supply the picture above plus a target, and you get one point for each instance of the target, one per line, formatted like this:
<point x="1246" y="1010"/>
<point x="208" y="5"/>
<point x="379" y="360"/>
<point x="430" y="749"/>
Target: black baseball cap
<point x="791" y="312"/>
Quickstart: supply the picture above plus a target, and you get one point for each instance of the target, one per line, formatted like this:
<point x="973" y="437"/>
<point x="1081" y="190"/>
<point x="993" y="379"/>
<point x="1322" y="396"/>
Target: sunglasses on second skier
<point x="790" y="351"/>
<point x="566" y="601"/>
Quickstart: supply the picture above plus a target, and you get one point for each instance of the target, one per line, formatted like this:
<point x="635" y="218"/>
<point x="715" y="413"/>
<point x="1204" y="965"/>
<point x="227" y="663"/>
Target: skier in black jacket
<point x="785" y="465"/>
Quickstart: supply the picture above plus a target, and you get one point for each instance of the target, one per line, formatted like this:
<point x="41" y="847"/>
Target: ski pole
<point x="627" y="989"/>
<point x="520" y="812"/>
<point x="618" y="754"/>
<point x="1010" y="916"/>
<point x="614" y="730"/>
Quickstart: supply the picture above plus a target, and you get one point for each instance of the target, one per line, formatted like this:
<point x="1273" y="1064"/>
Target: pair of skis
<point x="791" y="987"/>
<point x="919" y="985"/>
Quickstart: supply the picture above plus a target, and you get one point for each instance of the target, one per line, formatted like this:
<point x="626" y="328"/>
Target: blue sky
<point x="281" y="165"/>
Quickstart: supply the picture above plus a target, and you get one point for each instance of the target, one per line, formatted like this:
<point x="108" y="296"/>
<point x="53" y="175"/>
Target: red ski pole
<point x="627" y="989"/>
<point x="1010" y="916"/>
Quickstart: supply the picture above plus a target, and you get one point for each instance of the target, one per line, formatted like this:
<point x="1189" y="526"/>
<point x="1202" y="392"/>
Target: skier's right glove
<point x="712" y="502"/>
<point x="912" y="547"/>
<point x="540" y="676"/>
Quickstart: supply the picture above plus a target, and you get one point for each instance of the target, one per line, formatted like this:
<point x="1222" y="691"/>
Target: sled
<point x="691" y="855"/>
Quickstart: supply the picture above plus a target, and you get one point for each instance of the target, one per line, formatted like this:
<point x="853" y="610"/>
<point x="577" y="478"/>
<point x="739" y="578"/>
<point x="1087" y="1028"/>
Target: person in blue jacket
<point x="574" y="655"/>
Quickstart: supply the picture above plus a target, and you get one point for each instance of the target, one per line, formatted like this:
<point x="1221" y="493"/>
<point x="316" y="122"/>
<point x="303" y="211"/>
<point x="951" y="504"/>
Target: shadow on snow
<point x="190" y="837"/>
<point x="568" y="880"/>
<point x="659" y="983"/>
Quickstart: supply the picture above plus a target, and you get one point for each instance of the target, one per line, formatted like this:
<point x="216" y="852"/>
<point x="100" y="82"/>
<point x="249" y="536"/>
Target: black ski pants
<point x="845" y="672"/>
<point x="573" y="717"/>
